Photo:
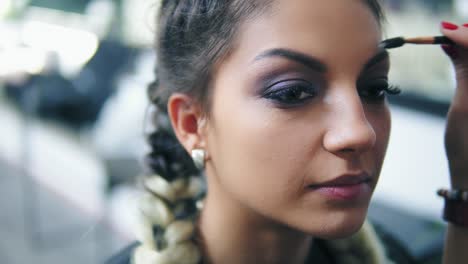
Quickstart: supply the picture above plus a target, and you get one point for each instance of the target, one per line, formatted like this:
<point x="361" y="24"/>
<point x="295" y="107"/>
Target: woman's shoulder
<point x="394" y="249"/>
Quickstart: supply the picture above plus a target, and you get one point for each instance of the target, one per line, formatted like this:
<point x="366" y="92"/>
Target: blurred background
<point x="73" y="77"/>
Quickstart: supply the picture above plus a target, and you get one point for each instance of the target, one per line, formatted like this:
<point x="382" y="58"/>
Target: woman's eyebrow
<point x="377" y="58"/>
<point x="299" y="57"/>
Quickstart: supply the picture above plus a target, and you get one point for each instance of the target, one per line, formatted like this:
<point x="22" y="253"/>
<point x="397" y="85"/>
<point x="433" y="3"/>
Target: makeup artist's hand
<point x="456" y="136"/>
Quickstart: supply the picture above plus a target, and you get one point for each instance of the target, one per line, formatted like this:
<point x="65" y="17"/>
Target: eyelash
<point x="296" y="90"/>
<point x="291" y="92"/>
<point x="380" y="88"/>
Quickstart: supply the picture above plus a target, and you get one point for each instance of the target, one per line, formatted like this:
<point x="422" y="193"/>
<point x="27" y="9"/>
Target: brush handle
<point x="443" y="40"/>
<point x="400" y="41"/>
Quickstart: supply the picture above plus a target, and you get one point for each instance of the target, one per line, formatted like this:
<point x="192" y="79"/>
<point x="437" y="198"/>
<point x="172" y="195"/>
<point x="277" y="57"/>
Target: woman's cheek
<point x="266" y="155"/>
<point x="380" y="120"/>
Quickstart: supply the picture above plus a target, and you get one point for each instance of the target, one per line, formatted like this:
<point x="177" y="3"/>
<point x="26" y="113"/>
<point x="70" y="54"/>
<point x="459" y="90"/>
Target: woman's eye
<point x="375" y="91"/>
<point x="289" y="93"/>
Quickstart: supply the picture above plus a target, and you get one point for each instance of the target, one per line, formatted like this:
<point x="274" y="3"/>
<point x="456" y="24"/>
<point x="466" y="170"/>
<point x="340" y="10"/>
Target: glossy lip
<point x="344" y="180"/>
<point x="350" y="187"/>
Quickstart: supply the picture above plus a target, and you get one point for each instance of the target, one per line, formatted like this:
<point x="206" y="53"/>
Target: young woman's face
<point x="297" y="104"/>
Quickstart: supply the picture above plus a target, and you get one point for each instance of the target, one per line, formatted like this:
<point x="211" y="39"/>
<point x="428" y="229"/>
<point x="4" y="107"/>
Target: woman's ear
<point x="186" y="117"/>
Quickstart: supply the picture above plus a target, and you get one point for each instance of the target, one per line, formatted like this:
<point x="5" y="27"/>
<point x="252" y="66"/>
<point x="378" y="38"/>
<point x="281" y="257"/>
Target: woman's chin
<point x="340" y="232"/>
<point x="336" y="226"/>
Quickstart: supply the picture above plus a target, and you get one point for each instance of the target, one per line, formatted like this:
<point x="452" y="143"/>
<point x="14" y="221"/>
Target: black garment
<point x="124" y="256"/>
<point x="319" y="252"/>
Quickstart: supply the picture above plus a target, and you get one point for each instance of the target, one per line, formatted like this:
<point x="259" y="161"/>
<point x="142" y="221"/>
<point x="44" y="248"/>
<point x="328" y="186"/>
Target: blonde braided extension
<point x="166" y="233"/>
<point x="170" y="203"/>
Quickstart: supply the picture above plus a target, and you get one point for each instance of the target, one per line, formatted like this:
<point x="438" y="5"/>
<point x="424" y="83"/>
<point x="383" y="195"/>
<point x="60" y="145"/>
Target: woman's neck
<point x="231" y="233"/>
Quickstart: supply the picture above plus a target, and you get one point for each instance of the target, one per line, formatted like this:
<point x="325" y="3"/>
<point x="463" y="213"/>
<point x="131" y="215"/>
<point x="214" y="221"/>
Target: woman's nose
<point x="350" y="131"/>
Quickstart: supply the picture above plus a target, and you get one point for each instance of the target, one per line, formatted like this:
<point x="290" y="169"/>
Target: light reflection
<point x="22" y="60"/>
<point x="5" y="8"/>
<point x="74" y="47"/>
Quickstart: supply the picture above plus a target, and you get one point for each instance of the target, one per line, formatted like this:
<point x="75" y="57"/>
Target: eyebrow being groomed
<point x="299" y="57"/>
<point x="381" y="55"/>
<point x="314" y="63"/>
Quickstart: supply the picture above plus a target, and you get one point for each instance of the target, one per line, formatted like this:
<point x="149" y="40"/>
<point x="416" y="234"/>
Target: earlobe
<point x="185" y="116"/>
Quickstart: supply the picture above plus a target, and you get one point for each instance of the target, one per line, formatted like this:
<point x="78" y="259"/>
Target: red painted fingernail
<point x="450" y="51"/>
<point x="465" y="25"/>
<point x="449" y="26"/>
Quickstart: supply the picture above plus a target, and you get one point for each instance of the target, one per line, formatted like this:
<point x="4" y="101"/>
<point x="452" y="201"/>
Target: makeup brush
<point x="400" y="41"/>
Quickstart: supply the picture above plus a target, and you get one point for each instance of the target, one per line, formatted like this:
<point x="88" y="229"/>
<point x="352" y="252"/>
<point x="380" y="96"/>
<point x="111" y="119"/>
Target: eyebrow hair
<point x="381" y="55"/>
<point x="304" y="59"/>
<point x="314" y="63"/>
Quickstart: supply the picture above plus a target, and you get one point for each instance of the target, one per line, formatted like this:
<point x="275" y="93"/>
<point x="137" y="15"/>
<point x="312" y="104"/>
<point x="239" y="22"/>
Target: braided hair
<point x="192" y="37"/>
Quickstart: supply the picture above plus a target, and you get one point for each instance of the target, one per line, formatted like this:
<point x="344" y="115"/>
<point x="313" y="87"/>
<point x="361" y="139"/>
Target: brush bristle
<point x="392" y="43"/>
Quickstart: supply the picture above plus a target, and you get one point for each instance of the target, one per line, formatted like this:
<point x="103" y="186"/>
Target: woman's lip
<point x="344" y="180"/>
<point x="345" y="192"/>
<point x="355" y="186"/>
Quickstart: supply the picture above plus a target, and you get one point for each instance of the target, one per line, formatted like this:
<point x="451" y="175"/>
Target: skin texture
<point x="263" y="155"/>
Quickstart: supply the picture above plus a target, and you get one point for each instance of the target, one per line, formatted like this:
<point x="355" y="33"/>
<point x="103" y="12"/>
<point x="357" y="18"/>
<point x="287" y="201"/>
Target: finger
<point x="459" y="55"/>
<point x="457" y="33"/>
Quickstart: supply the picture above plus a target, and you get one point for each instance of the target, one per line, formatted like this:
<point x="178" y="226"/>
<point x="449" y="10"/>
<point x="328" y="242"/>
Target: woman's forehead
<point x="331" y="31"/>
